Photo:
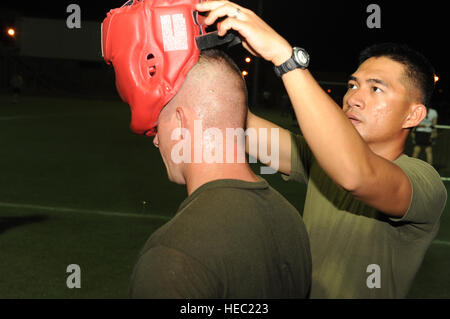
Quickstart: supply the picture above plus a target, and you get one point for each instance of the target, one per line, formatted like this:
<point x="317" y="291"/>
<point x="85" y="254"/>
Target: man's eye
<point x="377" y="89"/>
<point x="351" y="86"/>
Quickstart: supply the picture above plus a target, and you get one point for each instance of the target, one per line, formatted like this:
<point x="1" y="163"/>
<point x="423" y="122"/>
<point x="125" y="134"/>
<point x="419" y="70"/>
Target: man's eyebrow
<point x="371" y="80"/>
<point x="378" y="81"/>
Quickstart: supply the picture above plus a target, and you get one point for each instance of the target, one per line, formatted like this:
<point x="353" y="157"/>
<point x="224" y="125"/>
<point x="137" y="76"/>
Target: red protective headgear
<point x="152" y="45"/>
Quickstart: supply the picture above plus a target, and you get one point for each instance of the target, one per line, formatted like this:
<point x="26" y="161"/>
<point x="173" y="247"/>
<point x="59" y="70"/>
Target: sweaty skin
<point x="360" y="157"/>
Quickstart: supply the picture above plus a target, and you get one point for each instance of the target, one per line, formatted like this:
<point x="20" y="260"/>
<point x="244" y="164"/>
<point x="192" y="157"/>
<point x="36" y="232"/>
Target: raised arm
<point x="283" y="143"/>
<point x="335" y="143"/>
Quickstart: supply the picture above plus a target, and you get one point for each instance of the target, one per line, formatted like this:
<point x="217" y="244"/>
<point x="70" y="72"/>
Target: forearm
<point x="335" y="143"/>
<point x="332" y="138"/>
<point x="254" y="126"/>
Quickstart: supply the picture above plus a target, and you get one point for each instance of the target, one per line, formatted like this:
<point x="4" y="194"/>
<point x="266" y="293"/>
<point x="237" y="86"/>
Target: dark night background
<point x="78" y="187"/>
<point x="332" y="31"/>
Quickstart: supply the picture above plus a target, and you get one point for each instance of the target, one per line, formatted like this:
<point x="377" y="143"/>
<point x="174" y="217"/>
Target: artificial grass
<point x="80" y="154"/>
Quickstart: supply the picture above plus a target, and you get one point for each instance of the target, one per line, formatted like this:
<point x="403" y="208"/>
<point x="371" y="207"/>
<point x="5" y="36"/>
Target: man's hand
<point x="337" y="146"/>
<point x="258" y="37"/>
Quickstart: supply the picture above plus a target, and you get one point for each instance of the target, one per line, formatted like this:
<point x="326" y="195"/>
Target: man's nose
<point x="156" y="141"/>
<point x="355" y="99"/>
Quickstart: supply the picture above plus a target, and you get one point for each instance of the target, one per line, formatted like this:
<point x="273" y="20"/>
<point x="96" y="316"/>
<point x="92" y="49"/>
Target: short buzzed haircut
<point x="418" y="70"/>
<point x="221" y="57"/>
<point x="215" y="90"/>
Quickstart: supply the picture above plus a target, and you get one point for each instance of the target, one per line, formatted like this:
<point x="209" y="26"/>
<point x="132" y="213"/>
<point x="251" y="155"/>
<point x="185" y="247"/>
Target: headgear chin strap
<point x="152" y="45"/>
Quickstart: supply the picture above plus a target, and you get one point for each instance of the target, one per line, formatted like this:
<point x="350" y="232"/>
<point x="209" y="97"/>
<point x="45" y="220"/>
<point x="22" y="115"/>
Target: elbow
<point x="357" y="172"/>
<point x="354" y="180"/>
<point x="351" y="185"/>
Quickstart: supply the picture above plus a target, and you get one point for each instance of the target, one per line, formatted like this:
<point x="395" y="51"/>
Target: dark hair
<point x="417" y="67"/>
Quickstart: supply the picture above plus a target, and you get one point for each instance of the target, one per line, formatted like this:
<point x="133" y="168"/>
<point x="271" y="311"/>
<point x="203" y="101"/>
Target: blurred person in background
<point x="425" y="134"/>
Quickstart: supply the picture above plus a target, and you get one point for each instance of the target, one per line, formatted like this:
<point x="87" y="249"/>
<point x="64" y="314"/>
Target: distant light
<point x="329" y="90"/>
<point x="11" y="32"/>
<point x="244" y="73"/>
<point x="248" y="60"/>
<point x="436" y="78"/>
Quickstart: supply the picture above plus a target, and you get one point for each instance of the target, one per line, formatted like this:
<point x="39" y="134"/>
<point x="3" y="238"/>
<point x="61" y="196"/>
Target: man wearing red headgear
<point x="233" y="236"/>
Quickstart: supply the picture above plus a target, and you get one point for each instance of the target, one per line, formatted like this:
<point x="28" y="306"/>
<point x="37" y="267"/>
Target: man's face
<point x="377" y="101"/>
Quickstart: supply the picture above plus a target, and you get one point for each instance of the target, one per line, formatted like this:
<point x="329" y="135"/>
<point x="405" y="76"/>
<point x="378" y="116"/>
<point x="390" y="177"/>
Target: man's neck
<point x="390" y="151"/>
<point x="198" y="174"/>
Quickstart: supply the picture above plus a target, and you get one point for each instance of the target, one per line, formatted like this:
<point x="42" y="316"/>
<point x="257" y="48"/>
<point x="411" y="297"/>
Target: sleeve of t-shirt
<point x="301" y="159"/>
<point x="166" y="273"/>
<point x="429" y="194"/>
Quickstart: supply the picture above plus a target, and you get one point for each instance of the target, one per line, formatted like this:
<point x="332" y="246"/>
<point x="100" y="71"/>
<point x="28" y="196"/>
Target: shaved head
<point x="201" y="131"/>
<point x="215" y="90"/>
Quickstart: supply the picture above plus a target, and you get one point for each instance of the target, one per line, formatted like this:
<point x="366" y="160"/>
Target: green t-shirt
<point x="229" y="239"/>
<point x="358" y="252"/>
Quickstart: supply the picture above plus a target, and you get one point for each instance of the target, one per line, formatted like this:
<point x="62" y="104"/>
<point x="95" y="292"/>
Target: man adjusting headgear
<point x="152" y="45"/>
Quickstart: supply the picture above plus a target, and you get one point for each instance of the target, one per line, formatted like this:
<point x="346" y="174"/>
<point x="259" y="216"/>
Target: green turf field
<point x="77" y="187"/>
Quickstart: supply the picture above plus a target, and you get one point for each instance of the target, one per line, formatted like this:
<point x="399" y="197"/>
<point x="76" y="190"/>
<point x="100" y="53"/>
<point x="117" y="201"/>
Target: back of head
<point x="419" y="72"/>
<point x="215" y="90"/>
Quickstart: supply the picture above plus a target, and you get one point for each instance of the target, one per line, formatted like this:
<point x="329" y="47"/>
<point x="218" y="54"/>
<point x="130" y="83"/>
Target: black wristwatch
<point x="299" y="59"/>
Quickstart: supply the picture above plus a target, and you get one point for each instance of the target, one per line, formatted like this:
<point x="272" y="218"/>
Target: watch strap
<point x="287" y="66"/>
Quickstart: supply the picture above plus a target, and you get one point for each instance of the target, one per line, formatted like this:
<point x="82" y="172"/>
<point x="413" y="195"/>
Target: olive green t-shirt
<point x="229" y="239"/>
<point x="357" y="251"/>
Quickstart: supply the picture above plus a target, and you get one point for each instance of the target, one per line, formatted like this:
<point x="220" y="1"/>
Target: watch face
<point x="301" y="56"/>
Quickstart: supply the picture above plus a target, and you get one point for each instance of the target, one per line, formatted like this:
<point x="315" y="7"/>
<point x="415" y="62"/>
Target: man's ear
<point x="181" y="120"/>
<point x="417" y="114"/>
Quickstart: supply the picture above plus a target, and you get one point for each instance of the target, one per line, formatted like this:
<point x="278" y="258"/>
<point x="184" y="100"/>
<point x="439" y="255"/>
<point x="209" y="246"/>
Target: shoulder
<point x="229" y="215"/>
<point x="213" y="213"/>
<point x="429" y="194"/>
<point x="223" y="203"/>
<point x="420" y="171"/>
<point x="163" y="272"/>
<point x="422" y="174"/>
<point x="234" y="206"/>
